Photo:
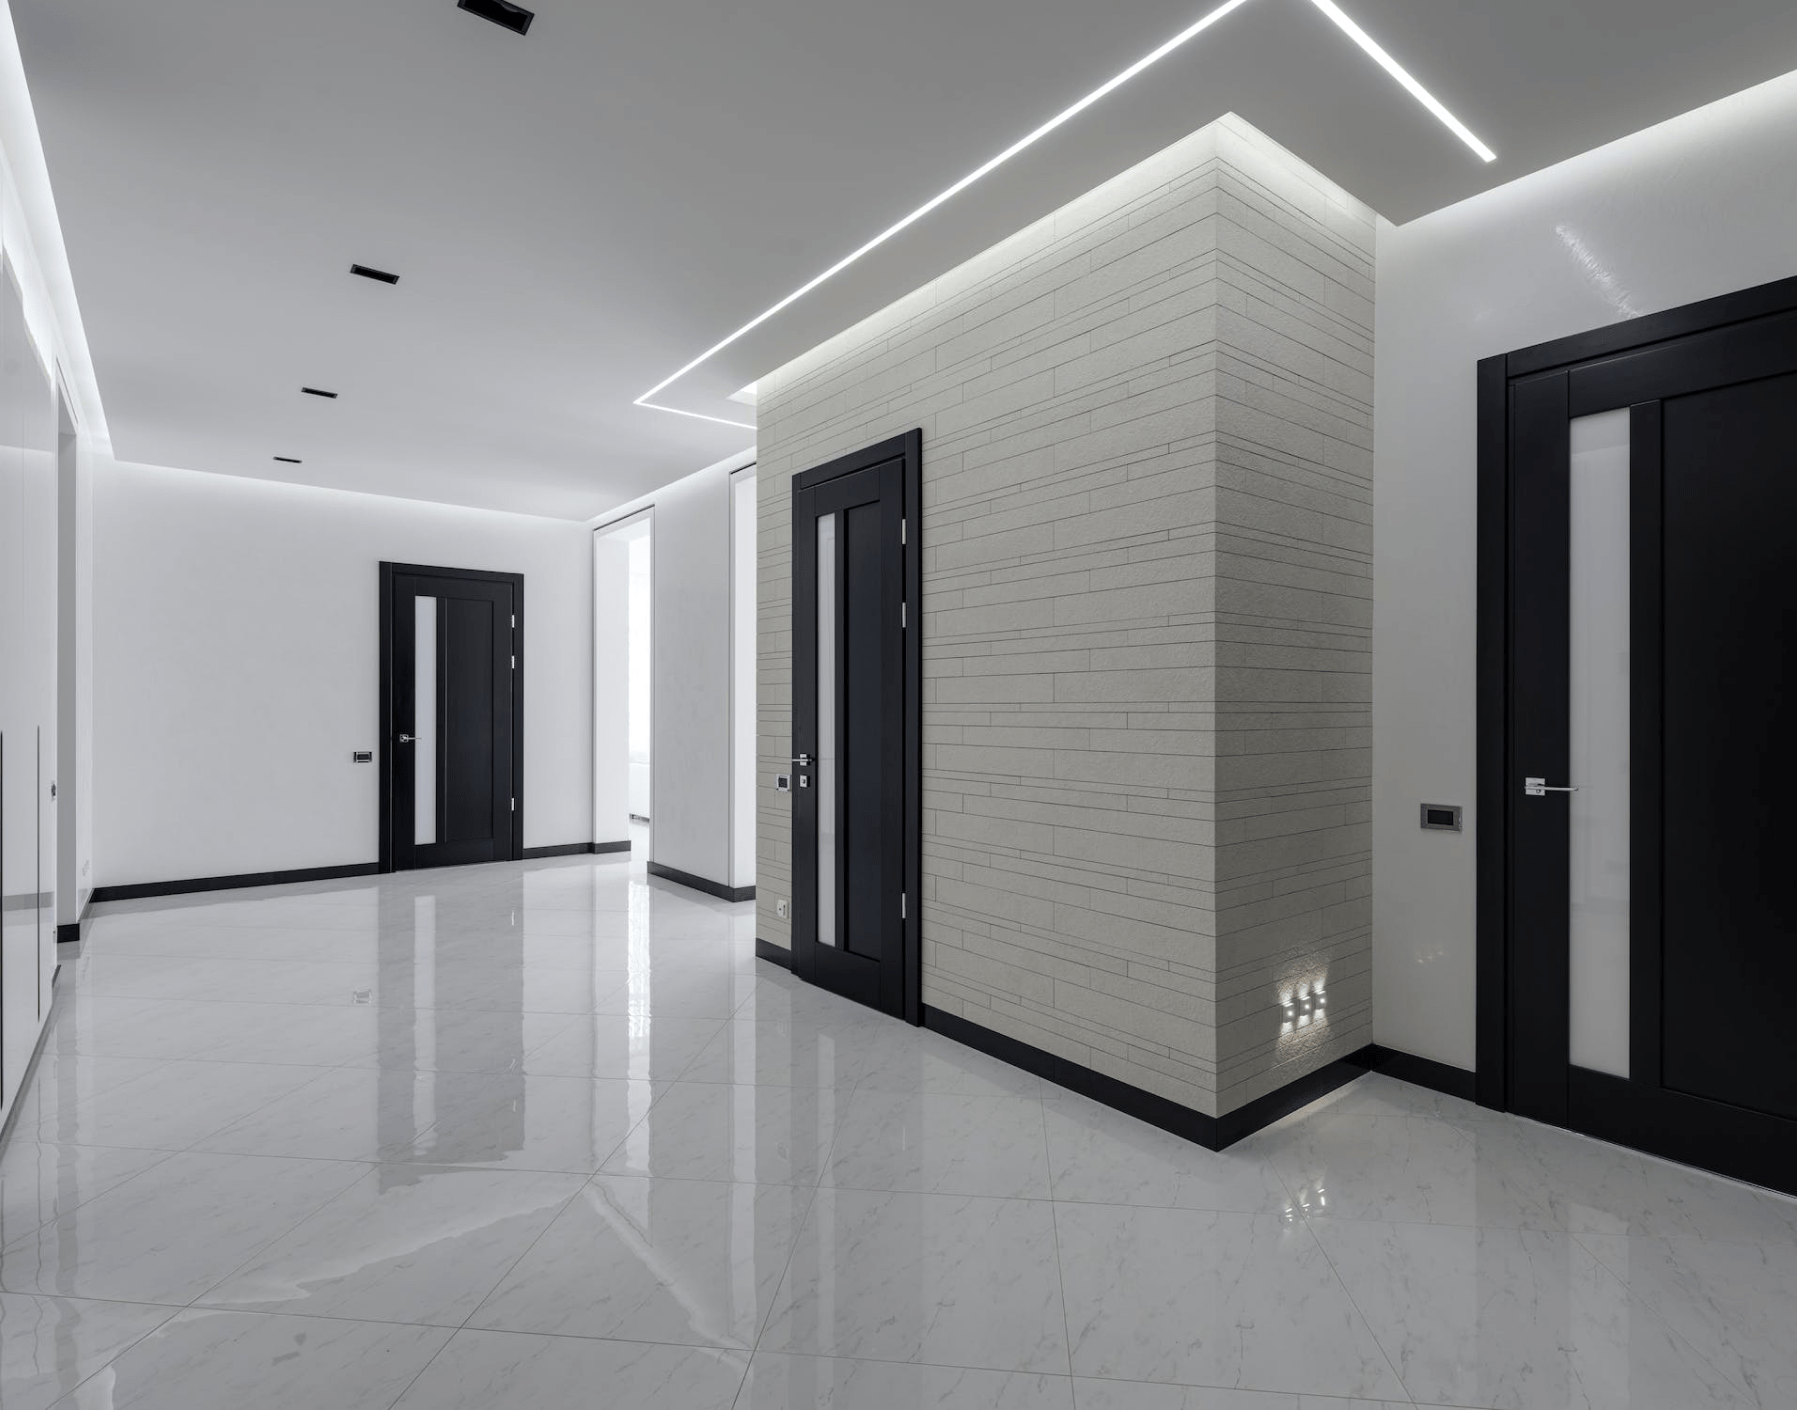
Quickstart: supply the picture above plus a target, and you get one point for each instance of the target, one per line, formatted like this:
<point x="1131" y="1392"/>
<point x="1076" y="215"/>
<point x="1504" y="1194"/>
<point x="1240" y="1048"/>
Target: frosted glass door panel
<point x="1600" y="742"/>
<point x="823" y="777"/>
<point x="424" y="726"/>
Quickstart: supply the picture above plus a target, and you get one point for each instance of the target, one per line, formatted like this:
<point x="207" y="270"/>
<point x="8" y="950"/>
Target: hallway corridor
<point x="546" y="1135"/>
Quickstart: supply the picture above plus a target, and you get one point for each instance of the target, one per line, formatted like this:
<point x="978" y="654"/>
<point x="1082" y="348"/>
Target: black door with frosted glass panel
<point x="451" y="710"/>
<point x="1697" y="752"/>
<point x="856" y="742"/>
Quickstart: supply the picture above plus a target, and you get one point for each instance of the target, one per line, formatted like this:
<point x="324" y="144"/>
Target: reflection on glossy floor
<point x="547" y="1135"/>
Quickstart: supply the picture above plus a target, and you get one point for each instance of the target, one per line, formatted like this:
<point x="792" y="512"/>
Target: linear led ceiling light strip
<point x="1328" y="7"/>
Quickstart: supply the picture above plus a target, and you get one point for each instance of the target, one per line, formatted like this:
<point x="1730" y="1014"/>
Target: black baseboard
<point x="773" y="954"/>
<point x="699" y="883"/>
<point x="1212" y="1132"/>
<point x="141" y="890"/>
<point x="1420" y="1071"/>
<point x="573" y="849"/>
<point x="71" y="934"/>
<point x="560" y="849"/>
<point x="1300" y="1092"/>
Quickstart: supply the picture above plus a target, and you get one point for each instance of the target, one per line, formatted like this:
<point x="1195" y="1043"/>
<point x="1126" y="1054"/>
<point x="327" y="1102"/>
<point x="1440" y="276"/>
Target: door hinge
<point x="901" y="530"/>
<point x="902" y="622"/>
<point x="514" y="805"/>
<point x="901" y="905"/>
<point x="514" y="621"/>
<point x="514" y="662"/>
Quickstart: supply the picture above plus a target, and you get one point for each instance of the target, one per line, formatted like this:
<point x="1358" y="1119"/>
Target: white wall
<point x="236" y="642"/>
<point x="1696" y="207"/>
<point x="74" y="672"/>
<point x="639" y="612"/>
<point x="743" y="572"/>
<point x="612" y="679"/>
<point x="28" y="680"/>
<point x="41" y="342"/>
<point x="691" y="696"/>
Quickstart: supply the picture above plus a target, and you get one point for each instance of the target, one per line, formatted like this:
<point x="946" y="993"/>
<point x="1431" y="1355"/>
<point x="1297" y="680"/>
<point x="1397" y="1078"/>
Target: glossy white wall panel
<point x="640" y="670"/>
<point x="1696" y="207"/>
<point x="74" y="670"/>
<point x="28" y="686"/>
<point x="690" y="753"/>
<point x="18" y="722"/>
<point x="236" y="646"/>
<point x="83" y="709"/>
<point x="35" y="342"/>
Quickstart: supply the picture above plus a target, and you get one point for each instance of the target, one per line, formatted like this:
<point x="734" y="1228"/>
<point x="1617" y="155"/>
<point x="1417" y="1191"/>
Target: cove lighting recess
<point x="1154" y="56"/>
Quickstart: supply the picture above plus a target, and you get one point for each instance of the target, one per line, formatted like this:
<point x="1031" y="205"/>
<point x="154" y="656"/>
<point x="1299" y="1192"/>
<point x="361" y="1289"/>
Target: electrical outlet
<point x="780" y="908"/>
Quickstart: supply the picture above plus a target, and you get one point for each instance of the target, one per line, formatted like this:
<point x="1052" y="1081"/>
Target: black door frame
<point x="907" y="448"/>
<point x="1521" y="396"/>
<point x="389" y="731"/>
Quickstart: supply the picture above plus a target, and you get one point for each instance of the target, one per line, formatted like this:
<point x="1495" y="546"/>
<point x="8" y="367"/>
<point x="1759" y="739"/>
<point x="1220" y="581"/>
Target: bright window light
<point x="1192" y="31"/>
<point x="1399" y="72"/>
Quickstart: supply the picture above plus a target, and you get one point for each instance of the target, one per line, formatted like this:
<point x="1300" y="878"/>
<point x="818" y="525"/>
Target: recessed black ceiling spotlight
<point x="379" y="275"/>
<point x="316" y="392"/>
<point x="289" y="460"/>
<point x="502" y="12"/>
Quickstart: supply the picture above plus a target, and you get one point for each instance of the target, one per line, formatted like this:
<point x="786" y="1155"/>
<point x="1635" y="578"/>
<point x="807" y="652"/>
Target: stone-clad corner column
<point x="1147" y="610"/>
<point x="1293" y="616"/>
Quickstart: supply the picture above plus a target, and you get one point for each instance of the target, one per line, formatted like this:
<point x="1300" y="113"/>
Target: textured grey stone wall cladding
<point x="1148" y="480"/>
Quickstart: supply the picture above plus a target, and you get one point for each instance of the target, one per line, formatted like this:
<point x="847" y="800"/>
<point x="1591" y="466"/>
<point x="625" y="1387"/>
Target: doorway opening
<point x="623" y="684"/>
<point x="742" y="680"/>
<point x="452" y="716"/>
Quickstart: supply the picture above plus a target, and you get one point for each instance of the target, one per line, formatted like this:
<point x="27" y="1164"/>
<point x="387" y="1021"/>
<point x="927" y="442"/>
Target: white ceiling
<point x="577" y="213"/>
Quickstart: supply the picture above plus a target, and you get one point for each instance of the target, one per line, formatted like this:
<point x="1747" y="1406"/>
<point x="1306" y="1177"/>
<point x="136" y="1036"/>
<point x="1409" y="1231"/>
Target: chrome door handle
<point x="1540" y="788"/>
<point x="802" y="760"/>
<point x="408" y="739"/>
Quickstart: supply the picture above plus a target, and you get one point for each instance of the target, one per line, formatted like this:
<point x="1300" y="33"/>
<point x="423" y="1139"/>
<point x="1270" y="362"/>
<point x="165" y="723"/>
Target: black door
<point x="451" y="652"/>
<point x="1698" y="759"/>
<point x="856" y="699"/>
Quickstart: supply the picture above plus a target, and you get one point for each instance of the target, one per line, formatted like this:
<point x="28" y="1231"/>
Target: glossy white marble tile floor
<point x="544" y="1136"/>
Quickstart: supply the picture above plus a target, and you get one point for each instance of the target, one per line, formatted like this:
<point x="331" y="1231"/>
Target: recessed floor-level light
<point x="317" y="392"/>
<point x="502" y="12"/>
<point x="378" y="275"/>
<point x="289" y="460"/>
<point x="1328" y="7"/>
